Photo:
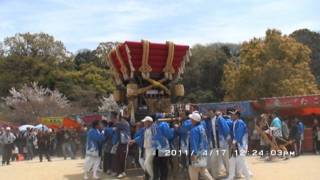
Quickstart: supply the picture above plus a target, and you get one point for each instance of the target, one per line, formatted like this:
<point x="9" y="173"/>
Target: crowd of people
<point x="290" y="129"/>
<point x="212" y="145"/>
<point x="287" y="130"/>
<point x="25" y="145"/>
<point x="193" y="145"/>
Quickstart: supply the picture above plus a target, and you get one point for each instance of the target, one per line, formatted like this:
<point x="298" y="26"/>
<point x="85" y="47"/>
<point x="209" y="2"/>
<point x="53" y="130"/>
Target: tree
<point x="86" y="56"/>
<point x="85" y="85"/>
<point x="312" y="40"/>
<point x="19" y="70"/>
<point x="274" y="66"/>
<point x="29" y="103"/>
<point x="203" y="75"/>
<point x="104" y="48"/>
<point x="37" y="44"/>
<point x="83" y="78"/>
<point x="1" y="50"/>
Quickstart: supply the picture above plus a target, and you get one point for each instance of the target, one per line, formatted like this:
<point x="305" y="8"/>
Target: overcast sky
<point x="84" y="23"/>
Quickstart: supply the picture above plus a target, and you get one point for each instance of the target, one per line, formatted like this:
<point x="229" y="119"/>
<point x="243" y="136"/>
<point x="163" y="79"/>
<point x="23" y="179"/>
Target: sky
<point x="82" y="24"/>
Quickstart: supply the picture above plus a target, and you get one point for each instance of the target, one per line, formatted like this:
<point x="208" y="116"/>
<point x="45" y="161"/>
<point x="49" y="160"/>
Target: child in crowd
<point x="15" y="152"/>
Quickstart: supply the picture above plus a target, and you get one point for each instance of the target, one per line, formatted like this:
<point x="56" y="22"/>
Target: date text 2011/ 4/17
<point x="186" y="152"/>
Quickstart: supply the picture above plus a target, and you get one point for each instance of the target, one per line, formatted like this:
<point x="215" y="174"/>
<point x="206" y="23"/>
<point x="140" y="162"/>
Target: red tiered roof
<point x="157" y="56"/>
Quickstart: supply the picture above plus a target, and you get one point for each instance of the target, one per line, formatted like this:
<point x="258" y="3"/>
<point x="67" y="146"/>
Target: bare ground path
<point x="305" y="167"/>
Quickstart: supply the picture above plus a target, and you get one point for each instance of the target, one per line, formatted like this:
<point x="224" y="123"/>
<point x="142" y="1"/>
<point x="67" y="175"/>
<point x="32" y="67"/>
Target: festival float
<point x="147" y="75"/>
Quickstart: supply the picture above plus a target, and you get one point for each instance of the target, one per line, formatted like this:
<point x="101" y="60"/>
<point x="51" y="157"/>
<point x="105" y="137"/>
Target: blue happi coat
<point x="108" y="132"/>
<point x="183" y="134"/>
<point x="162" y="135"/>
<point x="198" y="139"/>
<point x="94" y="140"/>
<point x="139" y="137"/>
<point x="240" y="132"/>
<point x="224" y="132"/>
<point x="229" y="123"/>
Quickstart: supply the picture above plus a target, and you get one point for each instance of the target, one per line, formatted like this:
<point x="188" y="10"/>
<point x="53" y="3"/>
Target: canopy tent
<point x="290" y="105"/>
<point x="244" y="107"/>
<point x="301" y="106"/>
<point x="25" y="127"/>
<point x="57" y="122"/>
<point x="89" y="118"/>
<point x="41" y="127"/>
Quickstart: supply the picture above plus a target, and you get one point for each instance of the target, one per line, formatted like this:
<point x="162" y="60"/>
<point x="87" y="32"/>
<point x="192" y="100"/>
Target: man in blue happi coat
<point x="198" y="149"/>
<point x="93" y="150"/>
<point x="161" y="143"/>
<point x="239" y="147"/>
<point x="144" y="139"/>
<point x="218" y="132"/>
<point x="155" y="139"/>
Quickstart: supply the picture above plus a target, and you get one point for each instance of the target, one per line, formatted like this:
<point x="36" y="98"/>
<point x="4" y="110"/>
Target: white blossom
<point x="108" y="104"/>
<point x="32" y="102"/>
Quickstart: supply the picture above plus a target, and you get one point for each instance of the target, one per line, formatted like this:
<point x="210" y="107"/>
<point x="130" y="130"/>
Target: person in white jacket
<point x="7" y="139"/>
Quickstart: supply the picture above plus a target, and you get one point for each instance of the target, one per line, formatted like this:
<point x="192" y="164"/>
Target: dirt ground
<point x="306" y="167"/>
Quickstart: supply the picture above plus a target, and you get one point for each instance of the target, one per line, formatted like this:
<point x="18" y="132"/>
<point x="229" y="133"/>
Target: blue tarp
<point x="244" y="107"/>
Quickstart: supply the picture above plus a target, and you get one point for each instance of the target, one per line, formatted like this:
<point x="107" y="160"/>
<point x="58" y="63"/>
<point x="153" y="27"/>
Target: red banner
<point x="292" y="102"/>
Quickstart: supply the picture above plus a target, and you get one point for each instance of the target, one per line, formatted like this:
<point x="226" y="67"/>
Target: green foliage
<point x="203" y="75"/>
<point x="86" y="85"/>
<point x="312" y="40"/>
<point x="37" y="44"/>
<point x="19" y="70"/>
<point x="83" y="78"/>
<point x="274" y="66"/>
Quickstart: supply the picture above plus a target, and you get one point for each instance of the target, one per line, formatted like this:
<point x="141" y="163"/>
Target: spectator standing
<point x="30" y="138"/>
<point x="67" y="145"/>
<point x="301" y="134"/>
<point x="59" y="138"/>
<point x="1" y="133"/>
<point x="15" y="152"/>
<point x="318" y="140"/>
<point x="43" y="144"/>
<point x="285" y="129"/>
<point x="20" y="142"/>
<point x="276" y="125"/>
<point x="7" y="139"/>
<point x="315" y="126"/>
<point x="294" y="135"/>
<point x="83" y="140"/>
<point x="53" y="141"/>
